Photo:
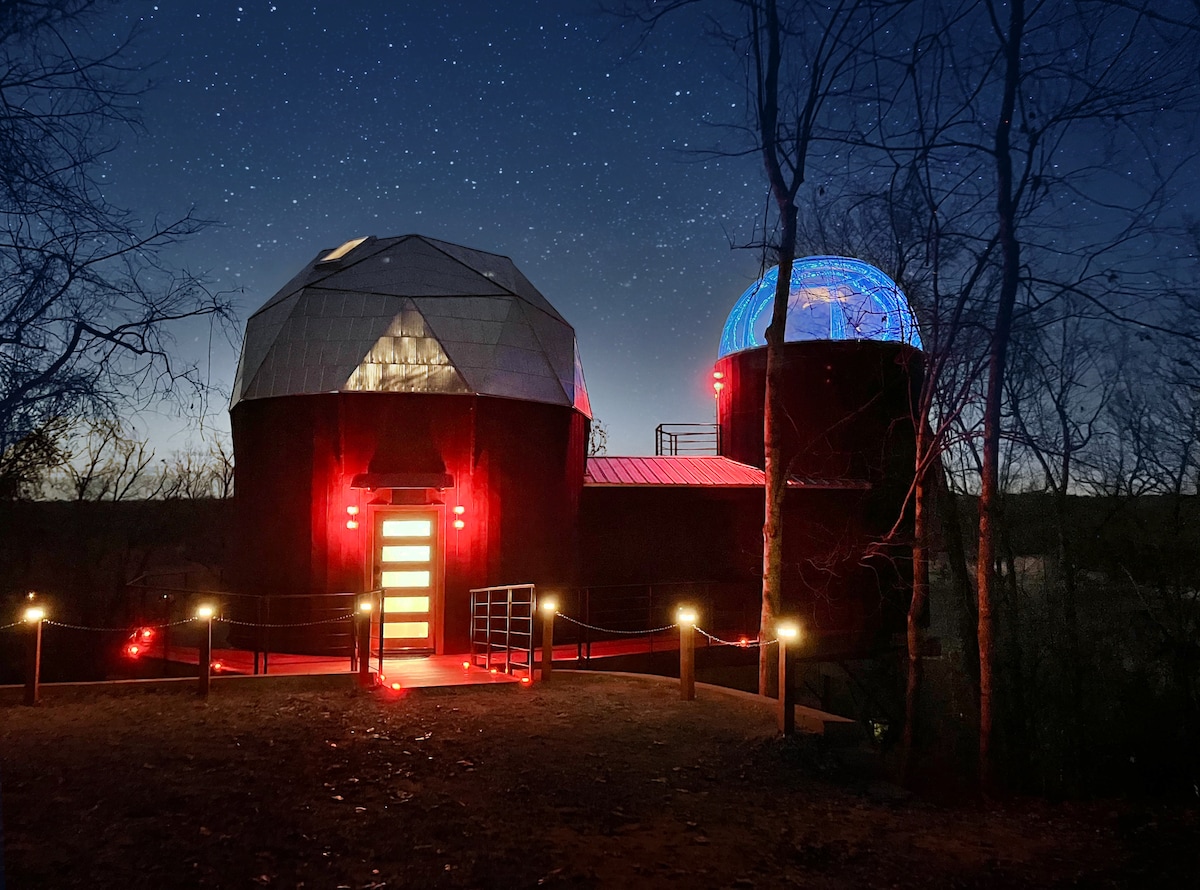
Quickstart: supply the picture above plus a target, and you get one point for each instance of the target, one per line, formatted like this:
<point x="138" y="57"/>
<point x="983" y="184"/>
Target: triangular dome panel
<point x="407" y="358"/>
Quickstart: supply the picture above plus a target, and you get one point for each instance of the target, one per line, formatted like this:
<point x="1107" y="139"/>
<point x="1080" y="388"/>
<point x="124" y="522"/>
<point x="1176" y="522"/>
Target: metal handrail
<point x="502" y="621"/>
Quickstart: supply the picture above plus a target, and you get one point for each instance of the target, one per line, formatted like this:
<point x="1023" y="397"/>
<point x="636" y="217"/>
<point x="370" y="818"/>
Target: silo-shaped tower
<point x="851" y="373"/>
<point x="408" y="415"/>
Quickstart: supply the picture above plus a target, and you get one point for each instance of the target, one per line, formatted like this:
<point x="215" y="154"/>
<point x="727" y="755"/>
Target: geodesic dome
<point x="411" y="314"/>
<point x="831" y="298"/>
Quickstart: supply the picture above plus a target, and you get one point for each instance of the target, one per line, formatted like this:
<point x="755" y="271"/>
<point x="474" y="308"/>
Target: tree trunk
<point x="916" y="606"/>
<point x="775" y="467"/>
<point x="1010" y="250"/>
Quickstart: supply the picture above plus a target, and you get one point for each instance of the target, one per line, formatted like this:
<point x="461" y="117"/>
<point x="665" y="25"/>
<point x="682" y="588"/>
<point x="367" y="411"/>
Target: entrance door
<point x="407" y="556"/>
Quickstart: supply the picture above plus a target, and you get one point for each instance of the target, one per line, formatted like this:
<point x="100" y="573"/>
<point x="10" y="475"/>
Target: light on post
<point x="362" y="641"/>
<point x="205" y="614"/>
<point x="33" y="614"/>
<point x="685" y="617"/>
<point x="788" y="633"/>
<point x="549" y="607"/>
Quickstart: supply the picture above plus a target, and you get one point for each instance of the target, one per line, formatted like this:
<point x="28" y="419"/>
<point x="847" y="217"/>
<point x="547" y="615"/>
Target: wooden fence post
<point x="33" y="617"/>
<point x="363" y="629"/>
<point x="789" y="639"/>
<point x="686" y="619"/>
<point x="205" y="614"/>
<point x="549" y="608"/>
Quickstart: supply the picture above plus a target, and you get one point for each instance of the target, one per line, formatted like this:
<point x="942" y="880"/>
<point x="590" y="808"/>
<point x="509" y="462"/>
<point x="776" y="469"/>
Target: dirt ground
<point x="589" y="781"/>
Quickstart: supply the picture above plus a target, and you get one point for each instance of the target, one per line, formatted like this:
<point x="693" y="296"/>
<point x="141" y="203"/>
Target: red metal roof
<point x="708" y="471"/>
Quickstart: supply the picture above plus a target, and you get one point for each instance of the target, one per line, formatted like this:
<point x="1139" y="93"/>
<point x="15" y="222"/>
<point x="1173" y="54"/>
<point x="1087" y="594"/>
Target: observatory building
<point x="410" y="416"/>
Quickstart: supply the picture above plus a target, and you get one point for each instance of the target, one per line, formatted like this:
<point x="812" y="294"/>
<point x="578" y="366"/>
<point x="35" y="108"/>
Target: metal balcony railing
<point x="674" y="439"/>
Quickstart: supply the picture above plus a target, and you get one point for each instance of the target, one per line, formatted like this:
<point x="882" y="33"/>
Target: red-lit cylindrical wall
<point x="848" y="407"/>
<point x="515" y="467"/>
<point x="847" y="437"/>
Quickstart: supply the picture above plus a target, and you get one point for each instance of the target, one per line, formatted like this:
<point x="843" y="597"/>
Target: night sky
<point x="526" y="129"/>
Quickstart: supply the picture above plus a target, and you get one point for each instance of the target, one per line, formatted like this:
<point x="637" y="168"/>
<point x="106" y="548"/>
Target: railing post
<point x="362" y="622"/>
<point x="549" y="608"/>
<point x="650" y="613"/>
<point x="33" y="617"/>
<point x="266" y="637"/>
<point x="686" y="619"/>
<point x="508" y="619"/>
<point x="258" y="632"/>
<point x="789" y="640"/>
<point x="377" y="603"/>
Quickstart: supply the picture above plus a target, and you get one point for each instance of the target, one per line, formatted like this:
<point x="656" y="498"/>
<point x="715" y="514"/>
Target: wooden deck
<point x="410" y="672"/>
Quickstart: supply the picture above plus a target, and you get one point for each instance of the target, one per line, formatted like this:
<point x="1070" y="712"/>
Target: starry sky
<point x="529" y="128"/>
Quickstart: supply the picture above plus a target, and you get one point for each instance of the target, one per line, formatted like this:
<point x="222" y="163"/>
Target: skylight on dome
<point x="831" y="298"/>
<point x="343" y="250"/>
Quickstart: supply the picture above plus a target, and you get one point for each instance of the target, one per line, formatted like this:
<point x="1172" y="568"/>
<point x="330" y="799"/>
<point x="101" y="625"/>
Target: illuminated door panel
<point x="407" y="566"/>
<point x="407" y="528"/>
<point x="406" y="553"/>
<point x="393" y="604"/>
<point x="419" y="578"/>
<point x="414" y="631"/>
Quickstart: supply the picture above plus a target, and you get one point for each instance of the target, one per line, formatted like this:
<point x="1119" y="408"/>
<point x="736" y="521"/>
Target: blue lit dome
<point x="832" y="298"/>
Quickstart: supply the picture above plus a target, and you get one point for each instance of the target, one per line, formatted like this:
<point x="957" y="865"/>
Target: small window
<point x="343" y="250"/>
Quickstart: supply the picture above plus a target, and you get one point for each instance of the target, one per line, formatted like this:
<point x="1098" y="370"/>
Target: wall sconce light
<point x="352" y="521"/>
<point x="459" y="510"/>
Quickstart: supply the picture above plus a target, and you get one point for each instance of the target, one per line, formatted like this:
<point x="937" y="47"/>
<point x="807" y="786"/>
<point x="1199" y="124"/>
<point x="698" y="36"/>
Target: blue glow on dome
<point x="832" y="298"/>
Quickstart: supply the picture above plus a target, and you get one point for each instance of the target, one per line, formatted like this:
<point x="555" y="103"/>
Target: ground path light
<point x="788" y="633"/>
<point x="686" y="619"/>
<point x="549" y="607"/>
<point x="205" y="614"/>
<point x="33" y="616"/>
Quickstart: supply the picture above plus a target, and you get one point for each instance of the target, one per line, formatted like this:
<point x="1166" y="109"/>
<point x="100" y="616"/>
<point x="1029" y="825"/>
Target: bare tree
<point x="86" y="302"/>
<point x="105" y="463"/>
<point x="800" y="61"/>
<point x="1022" y="112"/>
<point x="198" y="473"/>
